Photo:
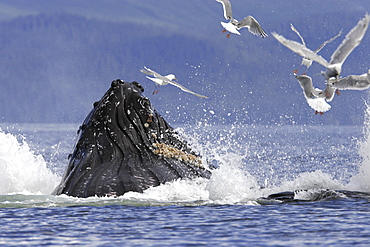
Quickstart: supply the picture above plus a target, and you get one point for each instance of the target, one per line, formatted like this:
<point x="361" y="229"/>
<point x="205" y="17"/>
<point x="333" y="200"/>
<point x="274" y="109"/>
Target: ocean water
<point x="227" y="210"/>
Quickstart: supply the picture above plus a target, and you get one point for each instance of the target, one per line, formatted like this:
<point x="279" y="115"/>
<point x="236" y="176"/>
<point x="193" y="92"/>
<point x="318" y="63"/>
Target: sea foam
<point x="21" y="170"/>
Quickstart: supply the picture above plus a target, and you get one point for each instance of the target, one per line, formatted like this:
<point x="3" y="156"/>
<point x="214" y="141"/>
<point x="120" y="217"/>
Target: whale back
<point x="125" y="145"/>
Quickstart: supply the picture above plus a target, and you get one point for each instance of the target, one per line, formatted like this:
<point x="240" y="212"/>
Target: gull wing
<point x="253" y="26"/>
<point x="352" y="82"/>
<point x="351" y="41"/>
<point x="300" y="49"/>
<point x="328" y="41"/>
<point x="228" y="14"/>
<point x="150" y="72"/>
<point x="329" y="93"/>
<point x="186" y="90"/>
<point x="299" y="35"/>
<point x="306" y="84"/>
<point x="157" y="80"/>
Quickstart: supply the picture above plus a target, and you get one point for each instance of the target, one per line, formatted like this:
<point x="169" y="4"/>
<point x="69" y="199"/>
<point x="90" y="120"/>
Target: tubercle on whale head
<point x="117" y="82"/>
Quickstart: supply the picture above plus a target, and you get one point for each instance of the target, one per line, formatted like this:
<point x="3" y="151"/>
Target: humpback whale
<point x="125" y="145"/>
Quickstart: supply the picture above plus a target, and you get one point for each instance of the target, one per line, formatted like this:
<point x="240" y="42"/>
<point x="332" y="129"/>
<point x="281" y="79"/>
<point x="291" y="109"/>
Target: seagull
<point x="334" y="67"/>
<point x="233" y="25"/>
<point x="315" y="97"/>
<point x="352" y="82"/>
<point x="160" y="80"/>
<point x="306" y="61"/>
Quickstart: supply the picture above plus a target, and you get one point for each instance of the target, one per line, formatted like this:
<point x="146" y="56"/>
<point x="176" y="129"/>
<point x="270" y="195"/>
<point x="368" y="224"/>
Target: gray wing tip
<point x="258" y="30"/>
<point x="275" y="34"/>
<point x="263" y="34"/>
<point x="146" y="71"/>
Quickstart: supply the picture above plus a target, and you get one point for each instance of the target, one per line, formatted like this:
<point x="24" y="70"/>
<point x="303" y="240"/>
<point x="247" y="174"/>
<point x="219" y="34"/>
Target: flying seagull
<point x="352" y="82"/>
<point x="160" y="80"/>
<point x="315" y="97"/>
<point x="306" y="61"/>
<point x="233" y="25"/>
<point x="334" y="67"/>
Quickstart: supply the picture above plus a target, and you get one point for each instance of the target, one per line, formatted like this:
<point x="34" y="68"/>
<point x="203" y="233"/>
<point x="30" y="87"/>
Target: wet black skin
<point x="114" y="151"/>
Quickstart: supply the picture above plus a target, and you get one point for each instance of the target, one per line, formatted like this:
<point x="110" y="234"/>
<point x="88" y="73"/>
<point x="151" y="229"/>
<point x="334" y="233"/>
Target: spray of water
<point x="21" y="170"/>
<point x="361" y="181"/>
<point x="228" y="185"/>
<point x="231" y="183"/>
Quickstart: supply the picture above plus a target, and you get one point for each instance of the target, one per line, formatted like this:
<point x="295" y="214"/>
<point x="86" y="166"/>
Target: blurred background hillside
<point x="58" y="57"/>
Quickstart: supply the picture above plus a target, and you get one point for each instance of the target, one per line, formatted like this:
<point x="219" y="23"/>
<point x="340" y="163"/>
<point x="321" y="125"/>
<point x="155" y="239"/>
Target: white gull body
<point x="234" y="25"/>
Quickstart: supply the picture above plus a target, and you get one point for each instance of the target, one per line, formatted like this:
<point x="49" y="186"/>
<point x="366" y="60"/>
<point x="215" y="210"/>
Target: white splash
<point x="228" y="185"/>
<point x="181" y="190"/>
<point x="361" y="181"/>
<point x="231" y="183"/>
<point x="21" y="170"/>
<point x="312" y="180"/>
